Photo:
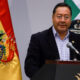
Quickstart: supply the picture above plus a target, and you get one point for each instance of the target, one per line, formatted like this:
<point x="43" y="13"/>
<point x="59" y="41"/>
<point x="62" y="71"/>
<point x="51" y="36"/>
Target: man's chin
<point x="63" y="31"/>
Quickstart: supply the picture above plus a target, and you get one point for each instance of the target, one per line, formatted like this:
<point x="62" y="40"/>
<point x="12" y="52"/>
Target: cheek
<point x="69" y="22"/>
<point x="56" y="21"/>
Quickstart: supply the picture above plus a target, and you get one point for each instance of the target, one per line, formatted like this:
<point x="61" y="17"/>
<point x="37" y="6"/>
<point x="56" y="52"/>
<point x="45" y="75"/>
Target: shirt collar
<point x="55" y="33"/>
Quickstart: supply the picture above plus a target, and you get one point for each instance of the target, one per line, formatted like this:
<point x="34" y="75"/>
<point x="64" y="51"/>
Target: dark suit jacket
<point x="43" y="47"/>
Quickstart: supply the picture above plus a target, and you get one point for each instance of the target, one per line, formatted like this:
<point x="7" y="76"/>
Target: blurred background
<point x="28" y="17"/>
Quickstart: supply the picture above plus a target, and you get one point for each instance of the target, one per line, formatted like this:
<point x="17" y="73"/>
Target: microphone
<point x="69" y="45"/>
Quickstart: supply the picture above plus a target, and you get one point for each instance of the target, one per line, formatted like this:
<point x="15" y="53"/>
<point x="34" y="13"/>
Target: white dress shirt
<point x="64" y="52"/>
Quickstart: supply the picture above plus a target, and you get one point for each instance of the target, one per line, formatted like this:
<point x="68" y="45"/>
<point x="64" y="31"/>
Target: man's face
<point x="61" y="19"/>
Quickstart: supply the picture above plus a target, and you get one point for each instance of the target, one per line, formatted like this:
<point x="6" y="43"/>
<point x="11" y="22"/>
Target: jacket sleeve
<point x="32" y="61"/>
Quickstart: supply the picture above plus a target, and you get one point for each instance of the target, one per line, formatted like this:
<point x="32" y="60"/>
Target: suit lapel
<point x="52" y="43"/>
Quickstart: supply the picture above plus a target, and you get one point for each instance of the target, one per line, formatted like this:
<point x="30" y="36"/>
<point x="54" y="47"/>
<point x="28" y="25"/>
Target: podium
<point x="58" y="70"/>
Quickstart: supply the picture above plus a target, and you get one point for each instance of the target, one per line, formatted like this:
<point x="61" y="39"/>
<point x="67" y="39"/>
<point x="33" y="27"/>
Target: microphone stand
<point x="75" y="56"/>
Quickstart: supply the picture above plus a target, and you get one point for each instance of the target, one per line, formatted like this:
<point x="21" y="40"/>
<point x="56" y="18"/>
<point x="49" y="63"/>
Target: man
<point x="51" y="44"/>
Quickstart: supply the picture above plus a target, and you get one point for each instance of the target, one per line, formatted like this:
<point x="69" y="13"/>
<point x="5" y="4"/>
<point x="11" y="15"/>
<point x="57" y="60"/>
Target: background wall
<point x="28" y="17"/>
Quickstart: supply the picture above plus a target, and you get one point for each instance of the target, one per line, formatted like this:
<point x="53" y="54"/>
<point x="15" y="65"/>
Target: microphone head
<point x="69" y="45"/>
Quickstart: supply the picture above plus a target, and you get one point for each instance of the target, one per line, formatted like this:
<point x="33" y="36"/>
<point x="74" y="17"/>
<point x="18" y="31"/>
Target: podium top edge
<point x="61" y="62"/>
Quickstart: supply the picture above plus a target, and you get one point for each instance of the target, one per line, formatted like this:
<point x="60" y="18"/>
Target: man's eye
<point x="66" y="17"/>
<point x="59" y="16"/>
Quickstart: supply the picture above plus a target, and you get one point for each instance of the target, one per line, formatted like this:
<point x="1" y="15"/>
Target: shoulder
<point x="42" y="33"/>
<point x="75" y="36"/>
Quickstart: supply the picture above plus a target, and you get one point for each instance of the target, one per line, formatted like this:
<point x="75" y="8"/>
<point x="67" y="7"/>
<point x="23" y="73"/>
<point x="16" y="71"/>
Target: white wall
<point x="28" y="17"/>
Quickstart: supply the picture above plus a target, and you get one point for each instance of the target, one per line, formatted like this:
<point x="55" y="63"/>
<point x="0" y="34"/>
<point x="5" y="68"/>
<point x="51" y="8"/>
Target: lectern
<point x="59" y="70"/>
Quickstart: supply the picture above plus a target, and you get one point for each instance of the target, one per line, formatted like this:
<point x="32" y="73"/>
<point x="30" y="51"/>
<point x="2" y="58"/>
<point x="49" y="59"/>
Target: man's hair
<point x="62" y="5"/>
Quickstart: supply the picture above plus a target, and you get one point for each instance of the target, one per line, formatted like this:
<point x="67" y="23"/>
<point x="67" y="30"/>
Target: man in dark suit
<point x="51" y="44"/>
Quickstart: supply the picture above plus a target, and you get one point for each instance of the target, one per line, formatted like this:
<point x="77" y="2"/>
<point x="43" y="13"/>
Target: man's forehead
<point x="63" y="10"/>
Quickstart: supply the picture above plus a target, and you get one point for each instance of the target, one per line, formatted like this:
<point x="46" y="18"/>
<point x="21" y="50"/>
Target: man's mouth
<point x="62" y="24"/>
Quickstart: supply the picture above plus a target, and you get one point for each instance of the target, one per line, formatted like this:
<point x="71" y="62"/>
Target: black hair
<point x="62" y="5"/>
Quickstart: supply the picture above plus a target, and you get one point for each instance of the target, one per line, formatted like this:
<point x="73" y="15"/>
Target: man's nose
<point x="63" y="19"/>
